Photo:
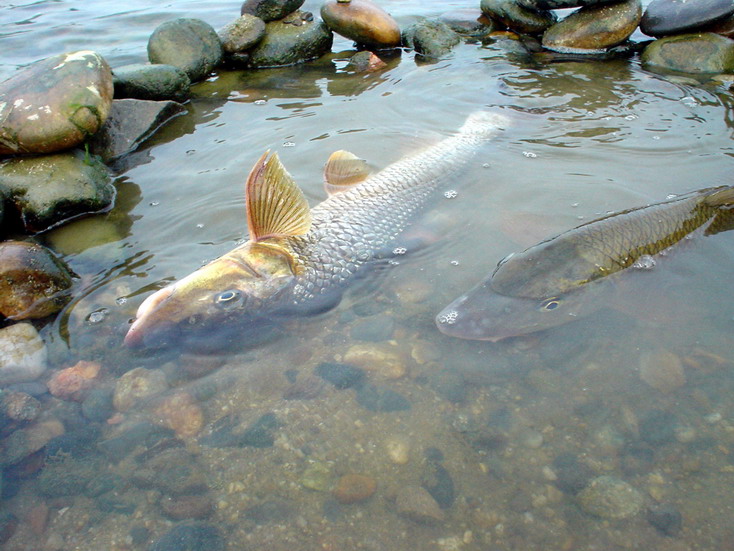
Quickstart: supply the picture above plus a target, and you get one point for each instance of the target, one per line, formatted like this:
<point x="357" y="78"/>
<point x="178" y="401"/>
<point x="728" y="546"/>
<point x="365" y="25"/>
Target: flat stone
<point x="190" y="536"/>
<point x="23" y="354"/>
<point x="430" y="38"/>
<point x="666" y="17"/>
<point x="610" y="498"/>
<point x="353" y="488"/>
<point x="375" y="398"/>
<point x="365" y="62"/>
<point x="691" y="53"/>
<point x="341" y="375"/>
<point x="156" y="82"/>
<point x="129" y="437"/>
<point x="362" y="21"/>
<point x="594" y="27"/>
<point x="74" y="383"/>
<point x="418" y="505"/>
<point x="242" y="34"/>
<point x="270" y="10"/>
<point x="136" y="386"/>
<point x="286" y="44"/>
<point x="130" y="123"/>
<point x="51" y="189"/>
<point x="186" y="507"/>
<point x="559" y="4"/>
<point x="192" y="45"/>
<point x="22" y="443"/>
<point x="518" y="17"/>
<point x="33" y="282"/>
<point x="468" y="22"/>
<point x="55" y="103"/>
<point x="662" y="370"/>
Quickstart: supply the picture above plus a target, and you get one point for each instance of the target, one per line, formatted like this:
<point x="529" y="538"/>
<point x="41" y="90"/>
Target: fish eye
<point x="550" y="304"/>
<point x="230" y="296"/>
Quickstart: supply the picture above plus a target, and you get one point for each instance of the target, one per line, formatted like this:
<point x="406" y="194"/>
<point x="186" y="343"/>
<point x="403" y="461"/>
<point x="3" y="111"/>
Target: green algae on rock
<point x="517" y="17"/>
<point x="691" y="53"/>
<point x="151" y="82"/>
<point x="192" y="45"/>
<point x="286" y="44"/>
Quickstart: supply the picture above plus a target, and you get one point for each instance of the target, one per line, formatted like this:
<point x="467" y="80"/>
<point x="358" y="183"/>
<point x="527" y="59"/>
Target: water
<point x="640" y="391"/>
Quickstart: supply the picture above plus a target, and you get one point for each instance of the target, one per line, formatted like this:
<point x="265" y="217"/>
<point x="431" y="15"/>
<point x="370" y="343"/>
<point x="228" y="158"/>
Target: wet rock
<point x="187" y="507"/>
<point x="136" y="386"/>
<point x="572" y="475"/>
<point x="662" y="370"/>
<point x="24" y="442"/>
<point x="23" y="354"/>
<point x="341" y="375"/>
<point x="128" y="438"/>
<point x="54" y="104"/>
<point x="192" y="45"/>
<point x="373" y="328"/>
<point x="365" y="62"/>
<point x="131" y="122"/>
<point x="173" y="472"/>
<point x="272" y="510"/>
<point x="657" y="427"/>
<point x="103" y="483"/>
<point x="270" y="10"/>
<point x="362" y="21"/>
<point x="190" y="536"/>
<point x="398" y="449"/>
<point x="611" y="498"/>
<point x="74" y="383"/>
<point x="286" y="44"/>
<point x="430" y="38"/>
<point x="559" y="4"/>
<point x="666" y="519"/>
<point x="468" y="22"/>
<point x="691" y="53"/>
<point x="380" y="399"/>
<point x="242" y="34"/>
<point x="594" y="27"/>
<point x="305" y="388"/>
<point x="383" y="360"/>
<point x="98" y="405"/>
<point x="418" y="505"/>
<point x="75" y="443"/>
<point x="180" y="412"/>
<point x="227" y="432"/>
<point x="438" y="482"/>
<point x="66" y="477"/>
<point x="725" y="27"/>
<point x="666" y="17"/>
<point x="50" y="189"/>
<point x="318" y="476"/>
<point x="18" y="407"/>
<point x="8" y="525"/>
<point x="353" y="488"/>
<point x="157" y="82"/>
<point x="517" y="17"/>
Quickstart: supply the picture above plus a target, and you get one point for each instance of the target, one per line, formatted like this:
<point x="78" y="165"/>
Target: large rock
<point x="50" y="189"/>
<point x="130" y="123"/>
<point x="270" y="10"/>
<point x="665" y="17"/>
<point x="23" y="354"/>
<point x="192" y="45"/>
<point x="559" y="4"/>
<point x="517" y="17"/>
<point x="288" y="44"/>
<point x="594" y="27"/>
<point x="691" y="53"/>
<point x="55" y="103"/>
<point x="242" y="34"/>
<point x="362" y="21"/>
<point x="430" y="38"/>
<point x="151" y="82"/>
<point x="33" y="282"/>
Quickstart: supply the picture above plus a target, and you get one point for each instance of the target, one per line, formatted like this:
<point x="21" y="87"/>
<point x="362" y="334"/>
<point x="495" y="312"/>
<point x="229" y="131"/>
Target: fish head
<point x="245" y="284"/>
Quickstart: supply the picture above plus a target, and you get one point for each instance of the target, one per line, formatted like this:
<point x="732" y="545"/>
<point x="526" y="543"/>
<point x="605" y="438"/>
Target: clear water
<point x="587" y="138"/>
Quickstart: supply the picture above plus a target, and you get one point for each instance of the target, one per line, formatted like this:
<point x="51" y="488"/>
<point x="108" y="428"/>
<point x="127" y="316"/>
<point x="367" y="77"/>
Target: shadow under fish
<point x="299" y="260"/>
<point x="571" y="275"/>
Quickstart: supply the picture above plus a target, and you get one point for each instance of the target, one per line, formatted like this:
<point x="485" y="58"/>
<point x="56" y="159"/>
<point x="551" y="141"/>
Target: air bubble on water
<point x="120" y="301"/>
<point x="448" y="318"/>
<point x="529" y="154"/>
<point x="98" y="315"/>
<point x="656" y="137"/>
<point x="671" y="196"/>
<point x="399" y="250"/>
<point x="454" y="262"/>
<point x="199" y="225"/>
<point x="393" y="262"/>
<point x="630" y="117"/>
<point x="574" y="205"/>
<point x="688" y="101"/>
<point x="154" y="203"/>
<point x="485" y="165"/>
<point x="289" y="144"/>
<point x="450" y="194"/>
<point x="260" y="102"/>
<point x="645" y="262"/>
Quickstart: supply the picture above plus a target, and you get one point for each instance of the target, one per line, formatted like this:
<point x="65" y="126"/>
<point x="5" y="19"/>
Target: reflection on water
<point x="462" y="445"/>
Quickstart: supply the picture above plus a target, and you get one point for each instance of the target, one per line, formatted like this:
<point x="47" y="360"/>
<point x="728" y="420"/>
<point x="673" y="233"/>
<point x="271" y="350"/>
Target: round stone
<point x="559" y="4"/>
<point x="611" y="498"/>
<point x="192" y="45"/>
<point x="517" y="17"/>
<point x="362" y="21"/>
<point x="662" y="370"/>
<point x="151" y="82"/>
<point x="137" y="385"/>
<point x="665" y="17"/>
<point x="594" y="27"/>
<point x="691" y="53"/>
<point x="287" y="44"/>
<point x="352" y="488"/>
<point x="23" y="354"/>
<point x="270" y="10"/>
<point x="54" y="104"/>
<point x="242" y="34"/>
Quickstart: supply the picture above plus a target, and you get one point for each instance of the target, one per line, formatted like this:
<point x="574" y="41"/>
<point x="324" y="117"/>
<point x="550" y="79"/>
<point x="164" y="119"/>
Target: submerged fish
<point x="563" y="278"/>
<point x="298" y="260"/>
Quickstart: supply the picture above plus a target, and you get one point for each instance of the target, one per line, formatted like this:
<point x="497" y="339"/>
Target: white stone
<point x="23" y="354"/>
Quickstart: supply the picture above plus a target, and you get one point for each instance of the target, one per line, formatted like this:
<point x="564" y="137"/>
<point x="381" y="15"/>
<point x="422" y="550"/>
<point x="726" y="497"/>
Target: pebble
<point x="74" y="443"/>
<point x="242" y="34"/>
<point x="190" y="536"/>
<point x="430" y="38"/>
<point x="192" y="45"/>
<point x="667" y="17"/>
<point x="174" y="472"/>
<point x="340" y="375"/>
<point x="98" y="406"/>
<point x="657" y="427"/>
<point x="318" y="476"/>
<point x="18" y="407"/>
<point x="365" y="62"/>
<point x="288" y="44"/>
<point x="666" y="519"/>
<point x="362" y="21"/>
<point x="353" y="488"/>
<point x="571" y="474"/>
<point x="685" y="434"/>
<point x="610" y="498"/>
<point x="398" y="449"/>
<point x="157" y="82"/>
<point x="24" y="442"/>
<point x="467" y="22"/>
<point x="74" y="383"/>
<point x="437" y="480"/>
<point x="129" y="436"/>
<point x="517" y="17"/>
<point x="23" y="354"/>
<point x="66" y="477"/>
<point x="270" y="10"/>
<point x="382" y="360"/>
<point x="33" y="282"/>
<point x="181" y="413"/>
<point x="662" y="370"/>
<point x="691" y="53"/>
<point x="379" y="399"/>
<point x="415" y="503"/>
<point x="55" y="104"/>
<point x="187" y="506"/>
<point x="136" y="386"/>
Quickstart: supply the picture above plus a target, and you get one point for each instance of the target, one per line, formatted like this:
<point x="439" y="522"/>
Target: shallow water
<point x="487" y="423"/>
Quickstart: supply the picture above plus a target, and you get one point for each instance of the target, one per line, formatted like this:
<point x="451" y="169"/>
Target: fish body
<point x="299" y="259"/>
<point x="567" y="277"/>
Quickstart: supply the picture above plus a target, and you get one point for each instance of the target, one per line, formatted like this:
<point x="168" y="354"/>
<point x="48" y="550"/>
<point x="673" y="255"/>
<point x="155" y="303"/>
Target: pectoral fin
<point x="276" y="207"/>
<point x="344" y="170"/>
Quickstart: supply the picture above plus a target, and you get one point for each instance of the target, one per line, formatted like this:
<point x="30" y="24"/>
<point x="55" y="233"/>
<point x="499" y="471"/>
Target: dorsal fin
<point x="344" y="170"/>
<point x="276" y="207"/>
<point x="721" y="197"/>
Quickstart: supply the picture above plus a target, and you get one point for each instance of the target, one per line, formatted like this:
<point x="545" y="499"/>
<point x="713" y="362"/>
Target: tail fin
<point x="485" y="123"/>
<point x="721" y="197"/>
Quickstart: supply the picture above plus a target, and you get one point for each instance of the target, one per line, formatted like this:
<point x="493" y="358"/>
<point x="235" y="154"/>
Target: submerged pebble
<point x="376" y="399"/>
<point x="340" y="375"/>
<point x="418" y="505"/>
<point x="136" y="386"/>
<point x="190" y="536"/>
<point x="398" y="449"/>
<point x="74" y="383"/>
<point x="23" y="354"/>
<point x="380" y="359"/>
<point x="353" y="488"/>
<point x="662" y="370"/>
<point x="611" y="498"/>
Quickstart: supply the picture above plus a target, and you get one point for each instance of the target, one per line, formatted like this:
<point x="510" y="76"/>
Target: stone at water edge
<point x="559" y="4"/>
<point x="270" y="10"/>
<point x="365" y="62"/>
<point x="23" y="354"/>
<point x="594" y="27"/>
<point x="691" y="53"/>
<point x="54" y="104"/>
<point x="286" y="44"/>
<point x="667" y="17"/>
<point x="157" y="82"/>
<point x="33" y="282"/>
<point x="242" y="34"/>
<point x="517" y="17"/>
<point x="430" y="38"/>
<point x="192" y="45"/>
<point x="362" y="21"/>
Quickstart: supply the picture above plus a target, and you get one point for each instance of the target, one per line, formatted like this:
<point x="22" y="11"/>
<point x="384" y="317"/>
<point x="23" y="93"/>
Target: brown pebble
<point x="181" y="413"/>
<point x="415" y="503"/>
<point x="73" y="383"/>
<point x="353" y="488"/>
<point x="37" y="519"/>
<point x="184" y="507"/>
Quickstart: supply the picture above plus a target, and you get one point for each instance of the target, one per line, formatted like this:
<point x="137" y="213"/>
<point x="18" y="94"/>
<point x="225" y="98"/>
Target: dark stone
<point x="430" y="38"/>
<point x="260" y="433"/>
<point x="190" y="536"/>
<point x="50" y="189"/>
<point x="111" y="503"/>
<point x="560" y="4"/>
<point x="130" y="123"/>
<point x="103" y="483"/>
<point x="691" y="53"/>
<point x="97" y="406"/>
<point x="657" y="427"/>
<point x="286" y="44"/>
<point x="341" y="375"/>
<point x="76" y="443"/>
<point x="433" y="454"/>
<point x="665" y="17"/>
<point x="665" y="518"/>
<point x="66" y="477"/>
<point x="270" y="10"/>
<point x="8" y="524"/>
<point x="151" y="82"/>
<point x="573" y="475"/>
<point x="18" y="407"/>
<point x="373" y="328"/>
<point x="242" y="34"/>
<point x="449" y="384"/>
<point x="270" y="511"/>
<point x="54" y="104"/>
<point x="468" y="22"/>
<point x="517" y="17"/>
<point x="189" y="44"/>
<point x="374" y="398"/>
<point x="174" y="472"/>
<point x="225" y="433"/>
<point x="637" y="458"/>
<point x="439" y="484"/>
<point x="140" y="535"/>
<point x="142" y="434"/>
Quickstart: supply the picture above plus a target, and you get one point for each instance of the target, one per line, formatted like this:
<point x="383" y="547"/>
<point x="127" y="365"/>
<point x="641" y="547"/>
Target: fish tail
<point x="485" y="123"/>
<point x="721" y="197"/>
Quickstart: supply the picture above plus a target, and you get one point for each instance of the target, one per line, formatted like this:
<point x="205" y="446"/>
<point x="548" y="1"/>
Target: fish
<point x="298" y="260"/>
<point x="571" y="275"/>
